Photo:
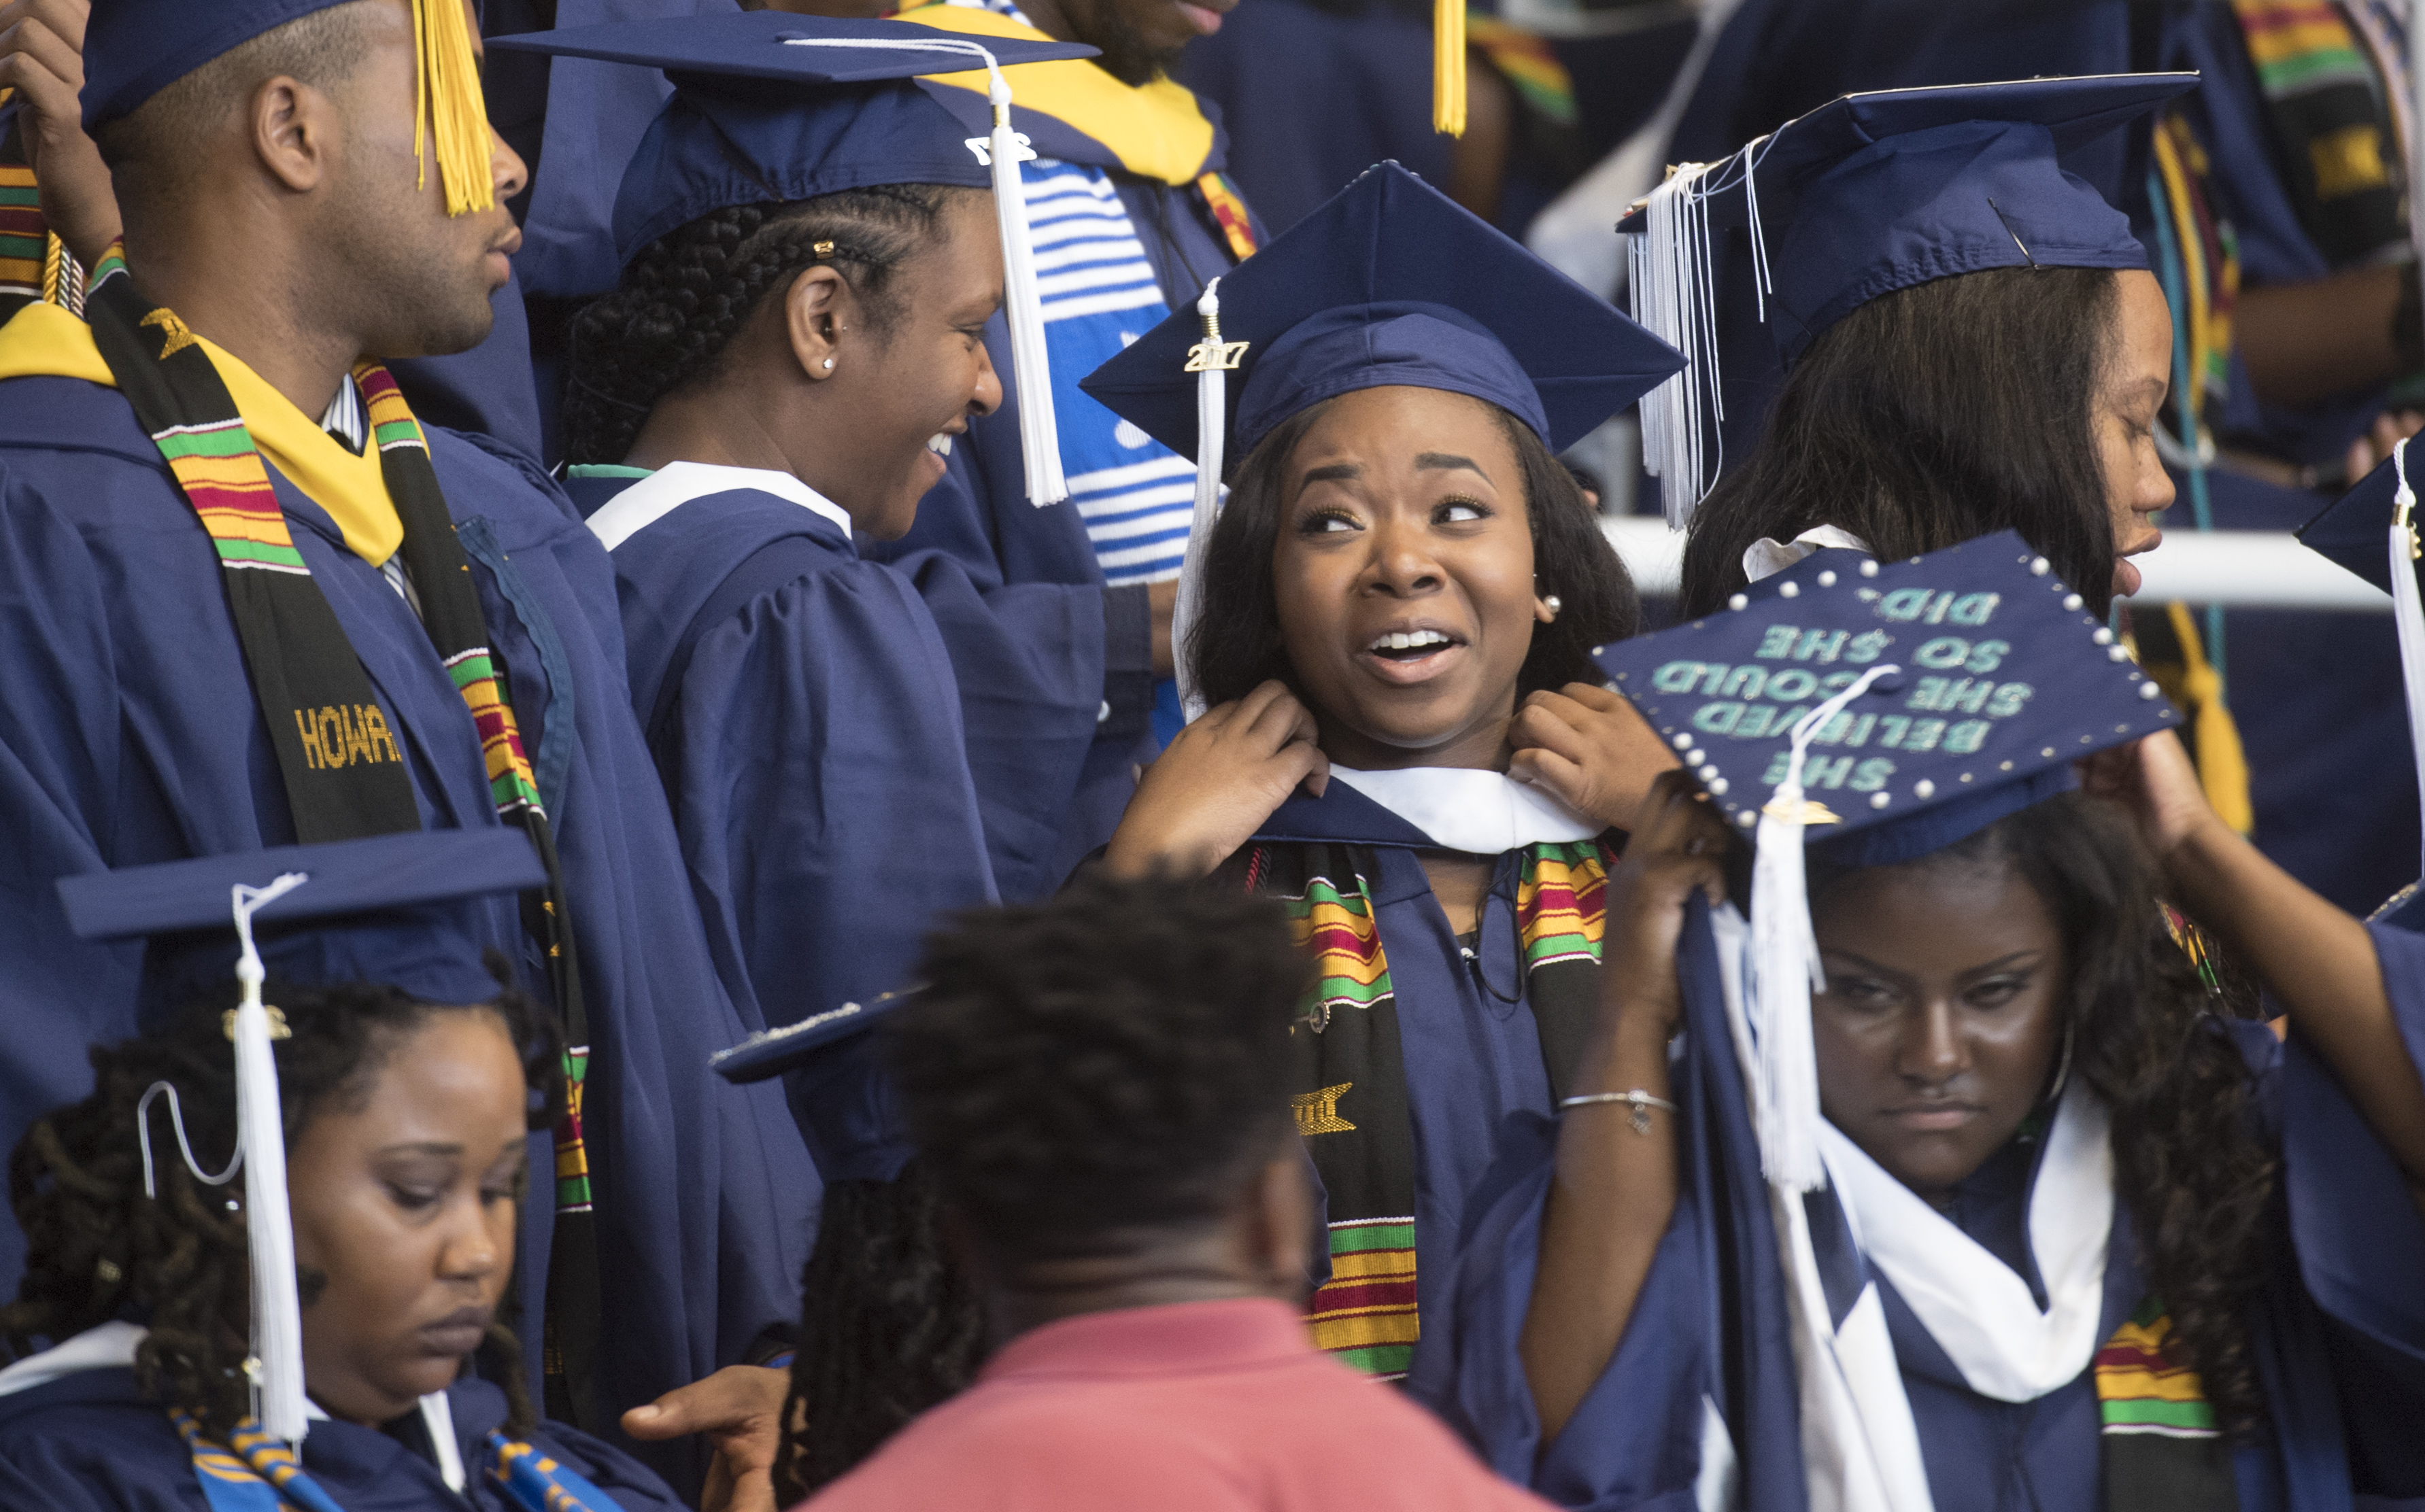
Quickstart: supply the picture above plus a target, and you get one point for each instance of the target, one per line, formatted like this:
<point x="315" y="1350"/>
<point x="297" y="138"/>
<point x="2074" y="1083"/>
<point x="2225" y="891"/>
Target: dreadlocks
<point x="96" y="1247"/>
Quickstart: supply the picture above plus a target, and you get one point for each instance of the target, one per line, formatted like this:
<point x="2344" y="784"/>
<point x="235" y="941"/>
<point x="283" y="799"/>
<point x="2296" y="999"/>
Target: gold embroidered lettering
<point x="358" y="747"/>
<point x="332" y="736"/>
<point x="375" y="733"/>
<point x="1318" y="1112"/>
<point x="314" y="756"/>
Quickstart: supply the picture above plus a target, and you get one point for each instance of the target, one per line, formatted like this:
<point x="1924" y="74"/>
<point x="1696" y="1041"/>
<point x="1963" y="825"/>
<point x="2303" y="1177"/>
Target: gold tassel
<point x="1448" y="66"/>
<point x="2222" y="764"/>
<point x="450" y="108"/>
<point x="53" y="249"/>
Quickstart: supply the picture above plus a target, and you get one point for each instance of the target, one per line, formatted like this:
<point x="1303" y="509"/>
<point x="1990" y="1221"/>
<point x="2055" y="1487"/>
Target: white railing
<point x="2240" y="570"/>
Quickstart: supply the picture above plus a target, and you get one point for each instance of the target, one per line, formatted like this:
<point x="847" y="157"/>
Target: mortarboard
<point x="1878" y="712"/>
<point x="840" y="1093"/>
<point x="768" y="105"/>
<point x="1869" y="194"/>
<point x="393" y="909"/>
<point x="2371" y="530"/>
<point x="1389" y="283"/>
<point x="133" y="49"/>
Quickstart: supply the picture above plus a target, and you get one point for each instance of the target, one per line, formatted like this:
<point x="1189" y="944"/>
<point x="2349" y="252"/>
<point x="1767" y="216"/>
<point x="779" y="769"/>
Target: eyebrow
<point x="2000" y="962"/>
<point x="1442" y="461"/>
<point x="420" y="1147"/>
<point x="1335" y="473"/>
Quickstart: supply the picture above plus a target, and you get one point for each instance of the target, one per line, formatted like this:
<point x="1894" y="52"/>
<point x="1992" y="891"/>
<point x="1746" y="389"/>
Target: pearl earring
<point x="830" y="364"/>
<point x="1553" y="603"/>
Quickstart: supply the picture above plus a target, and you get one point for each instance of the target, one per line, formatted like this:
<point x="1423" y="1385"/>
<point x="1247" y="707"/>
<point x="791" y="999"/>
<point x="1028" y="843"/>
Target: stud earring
<point x="1553" y="603"/>
<point x="830" y="364"/>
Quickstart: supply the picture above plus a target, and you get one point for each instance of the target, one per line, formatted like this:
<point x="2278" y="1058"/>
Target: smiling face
<point x="2129" y="398"/>
<point x="405" y="1198"/>
<point x="1402" y="577"/>
<point x="903" y="386"/>
<point x="1943" y="1015"/>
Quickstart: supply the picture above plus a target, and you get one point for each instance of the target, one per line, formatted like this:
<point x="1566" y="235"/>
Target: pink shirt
<point x="1197" y="1407"/>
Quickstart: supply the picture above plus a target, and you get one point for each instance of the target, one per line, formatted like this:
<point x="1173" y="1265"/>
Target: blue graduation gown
<point x="2338" y="1334"/>
<point x="91" y="1442"/>
<point x="802" y="714"/>
<point x="1470" y="1046"/>
<point x="127" y="735"/>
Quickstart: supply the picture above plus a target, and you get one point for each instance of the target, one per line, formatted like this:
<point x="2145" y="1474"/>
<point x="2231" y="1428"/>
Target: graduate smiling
<point x="1392" y="622"/>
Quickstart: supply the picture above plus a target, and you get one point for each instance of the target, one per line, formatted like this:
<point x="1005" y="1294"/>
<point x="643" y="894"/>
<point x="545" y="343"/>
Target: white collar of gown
<point x="1481" y="813"/>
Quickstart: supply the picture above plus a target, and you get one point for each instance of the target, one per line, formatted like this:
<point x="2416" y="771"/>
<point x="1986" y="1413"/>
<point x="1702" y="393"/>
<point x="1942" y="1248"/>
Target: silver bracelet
<point x="1640" y="1101"/>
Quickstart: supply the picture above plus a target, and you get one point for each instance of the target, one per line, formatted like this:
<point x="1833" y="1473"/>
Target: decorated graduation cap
<point x="1878" y="711"/>
<point x="1389" y="283"/>
<point x="769" y="105"/>
<point x="133" y="49"/>
<point x="2373" y="531"/>
<point x="1869" y="194"/>
<point x="840" y="1094"/>
<point x="395" y="909"/>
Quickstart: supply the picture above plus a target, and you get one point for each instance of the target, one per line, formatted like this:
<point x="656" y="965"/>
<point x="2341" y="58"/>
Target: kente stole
<point x="2335" y="130"/>
<point x="337" y="755"/>
<point x="2161" y="1450"/>
<point x="256" y="1472"/>
<point x="1350" y="1094"/>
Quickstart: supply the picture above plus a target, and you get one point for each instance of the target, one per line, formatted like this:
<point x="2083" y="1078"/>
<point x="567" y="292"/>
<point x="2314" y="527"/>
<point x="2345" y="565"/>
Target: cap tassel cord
<point x="270" y="1229"/>
<point x="1002" y="150"/>
<point x="1785" y="970"/>
<point x="450" y="108"/>
<point x="2408" y="614"/>
<point x="176" y="1122"/>
<point x="1211" y="361"/>
<point x="1448" y="66"/>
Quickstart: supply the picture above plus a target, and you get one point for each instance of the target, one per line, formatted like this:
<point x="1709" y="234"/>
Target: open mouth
<point x="939" y="443"/>
<point x="1409" y="646"/>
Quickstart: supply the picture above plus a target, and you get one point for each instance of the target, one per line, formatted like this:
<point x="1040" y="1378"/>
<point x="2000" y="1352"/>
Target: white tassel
<point x="1039" y="434"/>
<point x="277" y="1364"/>
<point x="1210" y="360"/>
<point x="1785" y="970"/>
<point x="2407" y="614"/>
<point x="1675" y="299"/>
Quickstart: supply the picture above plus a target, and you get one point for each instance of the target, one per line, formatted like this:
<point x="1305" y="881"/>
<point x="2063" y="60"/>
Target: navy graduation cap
<point x="837" y="1086"/>
<point x="394" y="909"/>
<point x="768" y="105"/>
<point x="1881" y="712"/>
<point x="1869" y="194"/>
<point x="1389" y="283"/>
<point x="397" y="910"/>
<point x="2355" y="529"/>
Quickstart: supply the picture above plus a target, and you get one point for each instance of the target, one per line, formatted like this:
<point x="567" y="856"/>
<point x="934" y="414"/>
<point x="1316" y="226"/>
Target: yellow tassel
<point x="1448" y="66"/>
<point x="2223" y="765"/>
<point x="450" y="108"/>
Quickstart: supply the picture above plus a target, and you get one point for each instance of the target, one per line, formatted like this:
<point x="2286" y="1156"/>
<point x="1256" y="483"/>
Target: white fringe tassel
<point x="1676" y="300"/>
<point x="2407" y="613"/>
<point x="277" y="1365"/>
<point x="1785" y="971"/>
<point x="1002" y="150"/>
<point x="1211" y="361"/>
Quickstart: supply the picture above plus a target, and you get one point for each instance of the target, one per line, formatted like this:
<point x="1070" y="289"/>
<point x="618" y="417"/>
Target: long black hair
<point x="688" y="294"/>
<point x="1236" y="643"/>
<point x="97" y="1248"/>
<point x="1930" y="415"/>
<point x="2199" y="1187"/>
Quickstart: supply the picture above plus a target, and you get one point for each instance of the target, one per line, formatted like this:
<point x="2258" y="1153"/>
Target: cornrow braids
<point x="688" y="294"/>
<point x="97" y="1248"/>
<point x="891" y="1325"/>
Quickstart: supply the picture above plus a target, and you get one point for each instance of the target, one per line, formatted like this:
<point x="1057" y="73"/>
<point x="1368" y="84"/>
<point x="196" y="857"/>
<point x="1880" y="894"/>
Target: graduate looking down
<point x="1393" y="620"/>
<point x="1958" y="1190"/>
<point x="209" y="1300"/>
<point x="1972" y="338"/>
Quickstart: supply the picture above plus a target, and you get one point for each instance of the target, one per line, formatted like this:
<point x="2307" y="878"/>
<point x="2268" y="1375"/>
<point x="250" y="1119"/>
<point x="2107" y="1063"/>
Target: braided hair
<point x="891" y="1326"/>
<point x="686" y="294"/>
<point x="98" y="1248"/>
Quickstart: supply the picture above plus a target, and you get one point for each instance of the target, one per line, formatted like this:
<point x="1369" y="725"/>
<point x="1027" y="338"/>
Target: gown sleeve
<point x="634" y="1486"/>
<point x="821" y="787"/>
<point x="2360" y="1241"/>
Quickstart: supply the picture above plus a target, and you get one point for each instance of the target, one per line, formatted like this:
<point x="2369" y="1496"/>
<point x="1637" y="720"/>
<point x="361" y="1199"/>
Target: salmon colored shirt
<point x="1197" y="1407"/>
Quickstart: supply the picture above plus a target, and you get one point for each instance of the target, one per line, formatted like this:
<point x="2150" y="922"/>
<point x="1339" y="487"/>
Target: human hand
<point x="2153" y="780"/>
<point x="1589" y="747"/>
<point x="2389" y="429"/>
<point x="1161" y="601"/>
<point x="1677" y="846"/>
<point x="1206" y="794"/>
<point x="740" y="1408"/>
<point x="42" y="55"/>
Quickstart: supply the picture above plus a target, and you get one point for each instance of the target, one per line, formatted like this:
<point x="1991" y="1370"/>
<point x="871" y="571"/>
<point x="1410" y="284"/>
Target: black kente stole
<point x="337" y="754"/>
<point x="2335" y="139"/>
<point x="1350" y="1088"/>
